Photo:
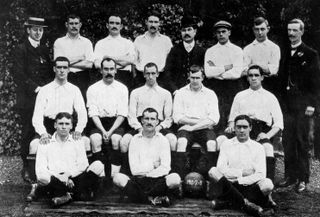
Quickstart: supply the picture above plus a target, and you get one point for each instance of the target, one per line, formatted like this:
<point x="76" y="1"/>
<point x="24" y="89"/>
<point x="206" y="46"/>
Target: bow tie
<point x="294" y="48"/>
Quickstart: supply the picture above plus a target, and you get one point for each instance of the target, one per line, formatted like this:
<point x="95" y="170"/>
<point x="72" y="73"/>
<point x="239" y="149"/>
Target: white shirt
<point x="34" y="43"/>
<point x="56" y="157"/>
<point x="257" y="104"/>
<point x="202" y="104"/>
<point x="265" y="53"/>
<point x="149" y="156"/>
<point x="107" y="100"/>
<point x="54" y="98"/>
<point x="152" y="49"/>
<point x="188" y="46"/>
<point x="115" y="47"/>
<point x="73" y="47"/>
<point x="235" y="156"/>
<point x="155" y="97"/>
<point x="222" y="55"/>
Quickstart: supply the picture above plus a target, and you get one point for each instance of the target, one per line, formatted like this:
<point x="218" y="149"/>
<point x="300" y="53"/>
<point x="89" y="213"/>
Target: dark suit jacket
<point x="31" y="68"/>
<point x="178" y="63"/>
<point x="299" y="79"/>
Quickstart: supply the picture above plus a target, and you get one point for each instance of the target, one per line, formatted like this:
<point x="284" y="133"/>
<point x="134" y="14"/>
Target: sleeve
<point x="213" y="109"/>
<point x="42" y="171"/>
<point x="81" y="161"/>
<point x="137" y="53"/>
<point x="131" y="51"/>
<point x="167" y="110"/>
<point x="122" y="106"/>
<point x="246" y="57"/>
<point x="132" y="117"/>
<point x="80" y="108"/>
<point x="237" y="62"/>
<point x="92" y="105"/>
<point x="57" y="49"/>
<point x="89" y="51"/>
<point x="178" y="110"/>
<point x="211" y="71"/>
<point x="276" y="113"/>
<point x="38" y="113"/>
<point x="234" y="111"/>
<point x="98" y="51"/>
<point x="274" y="62"/>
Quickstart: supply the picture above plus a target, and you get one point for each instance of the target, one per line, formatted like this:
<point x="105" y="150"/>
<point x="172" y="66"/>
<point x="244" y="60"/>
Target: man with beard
<point x="182" y="56"/>
<point x="151" y="47"/>
<point x="107" y="102"/>
<point x="115" y="47"/>
<point x="31" y="70"/>
<point x="78" y="50"/>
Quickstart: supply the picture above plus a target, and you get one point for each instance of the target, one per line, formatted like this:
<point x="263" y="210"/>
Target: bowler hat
<point x="188" y="21"/>
<point x="35" y="21"/>
<point x="222" y="24"/>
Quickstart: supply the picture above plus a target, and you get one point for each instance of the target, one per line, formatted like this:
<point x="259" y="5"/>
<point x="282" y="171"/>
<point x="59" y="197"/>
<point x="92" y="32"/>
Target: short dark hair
<point x="256" y="67"/>
<point x="115" y="15"/>
<point x="61" y="115"/>
<point x="149" y="65"/>
<point x="150" y="110"/>
<point x="297" y="21"/>
<point x="153" y="13"/>
<point x="73" y="16"/>
<point x="243" y="117"/>
<point x="108" y="60"/>
<point x="195" y="68"/>
<point x="259" y="20"/>
<point x="61" y="59"/>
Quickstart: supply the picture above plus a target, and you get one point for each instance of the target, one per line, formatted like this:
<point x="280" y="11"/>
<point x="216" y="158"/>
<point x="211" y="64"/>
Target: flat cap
<point x="35" y="21"/>
<point x="222" y="24"/>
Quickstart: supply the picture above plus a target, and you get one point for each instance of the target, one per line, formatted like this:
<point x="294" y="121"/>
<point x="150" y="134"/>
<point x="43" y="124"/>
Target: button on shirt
<point x="115" y="47"/>
<point x="149" y="156"/>
<point x="56" y="157"/>
<point x="54" y="98"/>
<point x="235" y="156"/>
<point x="152" y="49"/>
<point x="222" y="55"/>
<point x="266" y="53"/>
<point x="202" y="104"/>
<point x="73" y="48"/>
<point x="155" y="97"/>
<point x="107" y="100"/>
<point x="257" y="104"/>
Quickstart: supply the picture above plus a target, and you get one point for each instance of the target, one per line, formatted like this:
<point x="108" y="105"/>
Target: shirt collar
<point x="237" y="142"/>
<point x="73" y="38"/>
<point x="33" y="42"/>
<point x="57" y="85"/>
<point x="255" y="42"/>
<point x="155" y="135"/>
<point x="109" y="37"/>
<point x="296" y="45"/>
<point x="224" y="45"/>
<point x="155" y="87"/>
<point x="147" y="34"/>
<point x="260" y="90"/>
<point x="53" y="138"/>
<point x="112" y="85"/>
<point x="201" y="90"/>
<point x="189" y="45"/>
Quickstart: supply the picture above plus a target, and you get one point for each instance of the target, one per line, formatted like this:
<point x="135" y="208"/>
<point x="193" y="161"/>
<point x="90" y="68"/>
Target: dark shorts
<point x="199" y="136"/>
<point x="107" y="124"/>
<point x="149" y="185"/>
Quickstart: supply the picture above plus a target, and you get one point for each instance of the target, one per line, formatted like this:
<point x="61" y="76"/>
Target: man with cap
<point x="78" y="50"/>
<point x="223" y="66"/>
<point x="31" y="70"/>
<point x="152" y="46"/>
<point x="263" y="52"/>
<point x="183" y="55"/>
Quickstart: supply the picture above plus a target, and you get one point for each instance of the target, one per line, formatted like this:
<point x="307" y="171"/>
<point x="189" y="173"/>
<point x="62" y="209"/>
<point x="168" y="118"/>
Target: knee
<point x="44" y="180"/>
<point x="124" y="142"/>
<point x="266" y="186"/>
<point x="115" y="141"/>
<point x="268" y="148"/>
<point x="172" y="141"/>
<point x="86" y="142"/>
<point x="120" y="180"/>
<point x="173" y="180"/>
<point x="96" y="142"/>
<point x="182" y="144"/>
<point x="97" y="168"/>
<point x="211" y="146"/>
<point x="215" y="174"/>
<point x="220" y="141"/>
<point x="33" y="146"/>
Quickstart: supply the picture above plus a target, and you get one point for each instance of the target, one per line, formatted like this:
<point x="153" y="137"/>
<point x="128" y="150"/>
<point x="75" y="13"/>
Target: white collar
<point x="189" y="46"/>
<point x="257" y="42"/>
<point x="296" y="45"/>
<point x="34" y="43"/>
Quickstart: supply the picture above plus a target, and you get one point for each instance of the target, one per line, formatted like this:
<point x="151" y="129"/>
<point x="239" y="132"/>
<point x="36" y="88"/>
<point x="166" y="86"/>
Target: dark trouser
<point x="81" y="79"/>
<point x="296" y="146"/>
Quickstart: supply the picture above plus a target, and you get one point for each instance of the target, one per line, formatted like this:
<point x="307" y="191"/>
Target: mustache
<point x="149" y="125"/>
<point x="186" y="35"/>
<point x="108" y="76"/>
<point x="152" y="27"/>
<point x="114" y="28"/>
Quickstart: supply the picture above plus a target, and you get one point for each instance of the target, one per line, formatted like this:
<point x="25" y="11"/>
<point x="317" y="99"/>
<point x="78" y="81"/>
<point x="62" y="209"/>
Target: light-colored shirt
<point x="155" y="97"/>
<point x="152" y="49"/>
<point x="79" y="47"/>
<point x="107" y="100"/>
<point x="235" y="156"/>
<point x="202" y="104"/>
<point x="149" y="156"/>
<point x="265" y="53"/>
<point x="189" y="46"/>
<point x="257" y="104"/>
<point x="54" y="98"/>
<point x="222" y="55"/>
<point x="57" y="157"/>
<point x="115" y="47"/>
<point x="33" y="42"/>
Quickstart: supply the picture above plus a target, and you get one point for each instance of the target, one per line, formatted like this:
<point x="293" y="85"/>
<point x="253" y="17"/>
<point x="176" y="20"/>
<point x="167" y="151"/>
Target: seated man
<point x="196" y="111"/>
<point x="264" y="110"/>
<point x="241" y="172"/>
<point x="149" y="160"/>
<point x="107" y="102"/>
<point x="62" y="166"/>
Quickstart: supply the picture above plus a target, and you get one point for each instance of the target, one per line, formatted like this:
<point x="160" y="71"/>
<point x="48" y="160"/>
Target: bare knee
<point x="215" y="174"/>
<point x="115" y="141"/>
<point x="120" y="180"/>
<point x="220" y="140"/>
<point x="97" y="168"/>
<point x="33" y="146"/>
<point x="124" y="142"/>
<point x="211" y="146"/>
<point x="268" y="148"/>
<point x="96" y="142"/>
<point x="173" y="180"/>
<point x="182" y="144"/>
<point x="86" y="142"/>
<point x="266" y="186"/>
<point x="172" y="141"/>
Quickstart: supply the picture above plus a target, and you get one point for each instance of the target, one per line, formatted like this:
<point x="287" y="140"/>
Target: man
<point x="149" y="160"/>
<point x="196" y="111"/>
<point x="182" y="56"/>
<point x="241" y="172"/>
<point x="115" y="47"/>
<point x="31" y="71"/>
<point x="152" y="46"/>
<point x="53" y="98"/>
<point x="263" y="52"/>
<point x="299" y="85"/>
<point x="264" y="111"/>
<point x="62" y="166"/>
<point x="107" y="107"/>
<point x="78" y="50"/>
<point x="223" y="64"/>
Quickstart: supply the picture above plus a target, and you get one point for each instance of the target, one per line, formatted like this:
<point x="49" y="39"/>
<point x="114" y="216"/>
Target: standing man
<point x="223" y="65"/>
<point x="120" y="49"/>
<point x="149" y="160"/>
<point x="78" y="50"/>
<point x="153" y="47"/>
<point x="32" y="69"/>
<point x="196" y="111"/>
<point x="107" y="107"/>
<point x="300" y="79"/>
<point x="263" y="52"/>
<point x="182" y="56"/>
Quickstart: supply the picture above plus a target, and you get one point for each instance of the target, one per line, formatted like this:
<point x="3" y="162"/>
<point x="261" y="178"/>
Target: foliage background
<point x="94" y="14"/>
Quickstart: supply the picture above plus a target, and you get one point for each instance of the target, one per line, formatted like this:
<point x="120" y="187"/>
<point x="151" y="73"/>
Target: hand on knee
<point x="120" y="180"/>
<point x="115" y="141"/>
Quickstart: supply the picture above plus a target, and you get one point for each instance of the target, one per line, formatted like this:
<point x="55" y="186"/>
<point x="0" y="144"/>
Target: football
<point x="194" y="185"/>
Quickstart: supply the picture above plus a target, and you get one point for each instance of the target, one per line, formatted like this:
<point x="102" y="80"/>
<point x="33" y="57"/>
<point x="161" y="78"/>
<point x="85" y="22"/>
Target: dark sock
<point x="179" y="164"/>
<point x="115" y="157"/>
<point x="270" y="168"/>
